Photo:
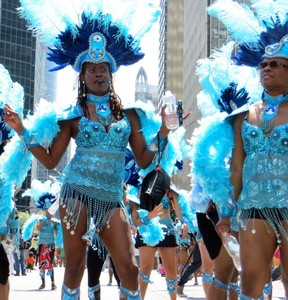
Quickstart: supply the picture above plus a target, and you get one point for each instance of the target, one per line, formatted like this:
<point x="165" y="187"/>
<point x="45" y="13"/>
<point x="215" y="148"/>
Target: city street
<point x="26" y="287"/>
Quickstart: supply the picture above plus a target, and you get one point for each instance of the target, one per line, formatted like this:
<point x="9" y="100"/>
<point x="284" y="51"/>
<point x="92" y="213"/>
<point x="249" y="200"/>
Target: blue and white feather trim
<point x="47" y="18"/>
<point x="212" y="145"/>
<point x="45" y="128"/>
<point x="239" y="20"/>
<point x="176" y="150"/>
<point x="27" y="229"/>
<point x="152" y="233"/>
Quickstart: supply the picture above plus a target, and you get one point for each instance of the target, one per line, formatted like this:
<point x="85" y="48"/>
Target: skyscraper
<point x="171" y="26"/>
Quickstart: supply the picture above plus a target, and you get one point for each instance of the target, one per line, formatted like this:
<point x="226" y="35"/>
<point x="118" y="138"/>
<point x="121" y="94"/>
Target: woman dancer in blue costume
<point x="49" y="229"/>
<point x="167" y="245"/>
<point x="259" y="176"/>
<point x="93" y="181"/>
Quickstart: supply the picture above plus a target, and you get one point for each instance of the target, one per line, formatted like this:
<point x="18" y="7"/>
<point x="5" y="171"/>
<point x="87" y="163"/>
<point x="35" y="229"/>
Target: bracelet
<point x="27" y="139"/>
<point x="144" y="220"/>
<point x="184" y="220"/>
<point x="157" y="144"/>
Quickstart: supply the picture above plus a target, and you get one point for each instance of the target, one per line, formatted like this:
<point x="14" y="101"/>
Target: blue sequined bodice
<point x="93" y="134"/>
<point x="265" y="170"/>
<point x="97" y="168"/>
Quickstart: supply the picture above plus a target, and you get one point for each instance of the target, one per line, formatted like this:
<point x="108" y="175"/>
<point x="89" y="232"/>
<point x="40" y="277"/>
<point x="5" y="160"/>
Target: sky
<point x="124" y="82"/>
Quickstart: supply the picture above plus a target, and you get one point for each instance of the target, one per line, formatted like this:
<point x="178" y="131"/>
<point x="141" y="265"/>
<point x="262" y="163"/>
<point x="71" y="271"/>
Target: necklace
<point x="103" y="111"/>
<point x="270" y="112"/>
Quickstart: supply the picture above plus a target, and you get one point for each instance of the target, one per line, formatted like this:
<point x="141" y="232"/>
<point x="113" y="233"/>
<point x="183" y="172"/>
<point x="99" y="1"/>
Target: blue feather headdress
<point x="90" y="31"/>
<point x="44" y="194"/>
<point x="253" y="28"/>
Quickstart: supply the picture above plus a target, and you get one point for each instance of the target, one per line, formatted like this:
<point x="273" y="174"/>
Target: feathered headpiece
<point x="44" y="194"/>
<point x="253" y="28"/>
<point x="90" y="31"/>
<point x="277" y="50"/>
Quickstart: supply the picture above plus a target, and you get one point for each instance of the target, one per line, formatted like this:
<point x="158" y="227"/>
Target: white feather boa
<point x="15" y="162"/>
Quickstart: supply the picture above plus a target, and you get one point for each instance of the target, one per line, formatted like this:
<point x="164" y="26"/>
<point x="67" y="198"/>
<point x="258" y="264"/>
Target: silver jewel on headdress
<point x="277" y="50"/>
<point x="233" y="105"/>
<point x="96" y="53"/>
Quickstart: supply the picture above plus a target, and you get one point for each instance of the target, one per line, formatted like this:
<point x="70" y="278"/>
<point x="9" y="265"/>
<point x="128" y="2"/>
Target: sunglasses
<point x="272" y="64"/>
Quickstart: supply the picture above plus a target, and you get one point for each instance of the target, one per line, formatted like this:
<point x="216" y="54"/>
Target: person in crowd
<point x="47" y="230"/>
<point x="225" y="279"/>
<point x="30" y="260"/>
<point x="93" y="180"/>
<point x="9" y="249"/>
<point x="184" y="252"/>
<point x="136" y="250"/>
<point x="258" y="170"/>
<point x="19" y="258"/>
<point x="166" y="247"/>
<point x="4" y="267"/>
<point x="207" y="266"/>
<point x="11" y="229"/>
<point x="189" y="270"/>
<point x="95" y="263"/>
<point x="218" y="271"/>
<point x="34" y="248"/>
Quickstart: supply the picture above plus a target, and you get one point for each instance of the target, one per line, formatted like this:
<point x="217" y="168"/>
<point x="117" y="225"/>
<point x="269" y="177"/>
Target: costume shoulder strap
<point x="71" y="112"/>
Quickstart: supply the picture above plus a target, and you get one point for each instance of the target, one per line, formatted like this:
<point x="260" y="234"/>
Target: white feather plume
<point x="239" y="20"/>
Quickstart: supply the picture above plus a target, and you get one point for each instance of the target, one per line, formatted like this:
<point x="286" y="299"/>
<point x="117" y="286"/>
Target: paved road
<point x="26" y="288"/>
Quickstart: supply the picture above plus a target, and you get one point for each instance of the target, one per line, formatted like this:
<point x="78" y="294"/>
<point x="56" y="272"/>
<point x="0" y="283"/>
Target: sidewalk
<point x="26" y="288"/>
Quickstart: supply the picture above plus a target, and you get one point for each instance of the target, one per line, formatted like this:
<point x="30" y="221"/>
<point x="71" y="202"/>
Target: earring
<point x="83" y="89"/>
<point x="111" y="90"/>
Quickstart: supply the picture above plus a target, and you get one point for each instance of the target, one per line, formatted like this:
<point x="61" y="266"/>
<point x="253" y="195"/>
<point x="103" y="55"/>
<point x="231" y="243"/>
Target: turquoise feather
<point x="27" y="229"/>
<point x="239" y="20"/>
<point x="152" y="233"/>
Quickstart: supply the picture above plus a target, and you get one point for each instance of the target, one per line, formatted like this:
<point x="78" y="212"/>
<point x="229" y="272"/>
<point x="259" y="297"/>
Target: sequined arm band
<point x="27" y="139"/>
<point x="229" y="210"/>
<point x="144" y="220"/>
<point x="157" y="144"/>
